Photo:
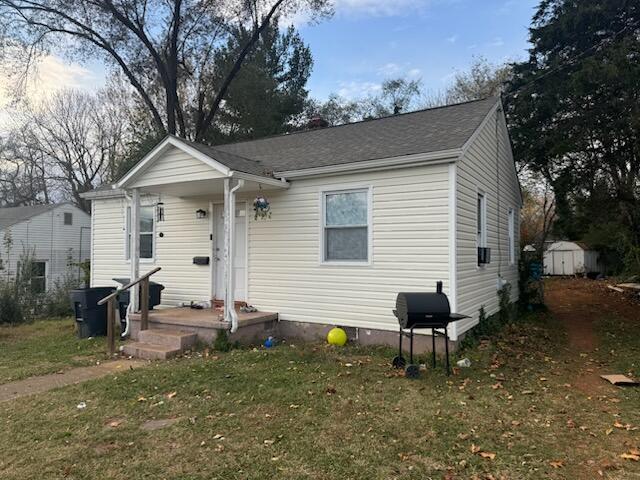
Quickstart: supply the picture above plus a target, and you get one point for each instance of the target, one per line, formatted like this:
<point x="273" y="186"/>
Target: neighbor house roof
<point x="12" y="215"/>
<point x="424" y="131"/>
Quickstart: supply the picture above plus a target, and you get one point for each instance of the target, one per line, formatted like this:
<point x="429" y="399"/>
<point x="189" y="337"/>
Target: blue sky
<point x="370" y="40"/>
<point x="365" y="42"/>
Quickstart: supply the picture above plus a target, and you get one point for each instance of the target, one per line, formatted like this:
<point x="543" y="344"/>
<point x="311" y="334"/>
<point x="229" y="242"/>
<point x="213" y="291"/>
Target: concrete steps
<point x="160" y="344"/>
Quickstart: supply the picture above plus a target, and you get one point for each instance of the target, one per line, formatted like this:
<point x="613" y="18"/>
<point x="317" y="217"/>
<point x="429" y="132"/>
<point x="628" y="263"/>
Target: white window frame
<point x="482" y="241"/>
<point x="512" y="236"/>
<point x="127" y="241"/>
<point x="323" y="219"/>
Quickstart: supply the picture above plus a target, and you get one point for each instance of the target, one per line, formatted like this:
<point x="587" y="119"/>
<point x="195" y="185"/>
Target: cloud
<point x="395" y="70"/>
<point x="355" y="89"/>
<point x="506" y="7"/>
<point x="496" y="42"/>
<point x="452" y="39"/>
<point x="379" y="8"/>
<point x="48" y="76"/>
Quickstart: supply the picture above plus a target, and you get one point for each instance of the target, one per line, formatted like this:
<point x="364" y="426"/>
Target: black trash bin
<point x="155" y="290"/>
<point x="91" y="318"/>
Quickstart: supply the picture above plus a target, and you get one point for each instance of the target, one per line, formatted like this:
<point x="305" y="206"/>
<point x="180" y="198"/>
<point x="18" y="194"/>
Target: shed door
<point x="568" y="267"/>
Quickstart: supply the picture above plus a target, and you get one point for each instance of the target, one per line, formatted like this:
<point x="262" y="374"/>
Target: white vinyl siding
<point x="478" y="171"/>
<point x="173" y="165"/>
<point x="410" y="238"/>
<point x="183" y="237"/>
<point x="49" y="240"/>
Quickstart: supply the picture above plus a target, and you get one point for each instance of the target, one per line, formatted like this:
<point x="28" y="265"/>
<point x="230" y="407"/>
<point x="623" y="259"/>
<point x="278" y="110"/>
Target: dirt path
<point x="33" y="385"/>
<point x="578" y="303"/>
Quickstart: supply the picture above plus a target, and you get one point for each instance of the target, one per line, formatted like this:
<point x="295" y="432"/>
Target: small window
<point x="68" y="218"/>
<point x="512" y="236"/>
<point x="481" y="223"/>
<point x="146" y="232"/>
<point x="38" y="277"/>
<point x="346" y="226"/>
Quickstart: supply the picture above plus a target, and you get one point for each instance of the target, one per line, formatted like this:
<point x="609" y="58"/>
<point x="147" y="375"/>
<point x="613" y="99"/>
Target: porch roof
<point x="199" y="172"/>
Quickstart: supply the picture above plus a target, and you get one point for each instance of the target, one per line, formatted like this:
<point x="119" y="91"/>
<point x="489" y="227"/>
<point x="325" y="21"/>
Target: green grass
<point x="44" y="346"/>
<point x="314" y="412"/>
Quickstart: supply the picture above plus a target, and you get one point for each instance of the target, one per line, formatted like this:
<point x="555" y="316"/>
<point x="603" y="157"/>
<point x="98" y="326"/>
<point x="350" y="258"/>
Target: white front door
<point x="239" y="252"/>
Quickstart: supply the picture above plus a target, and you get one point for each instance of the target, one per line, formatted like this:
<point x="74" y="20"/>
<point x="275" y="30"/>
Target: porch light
<point x="201" y="213"/>
<point x="160" y="212"/>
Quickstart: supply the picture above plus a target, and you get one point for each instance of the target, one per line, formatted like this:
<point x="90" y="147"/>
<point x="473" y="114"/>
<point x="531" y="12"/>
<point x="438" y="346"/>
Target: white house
<point x="358" y="213"/>
<point x="570" y="258"/>
<point x="57" y="237"/>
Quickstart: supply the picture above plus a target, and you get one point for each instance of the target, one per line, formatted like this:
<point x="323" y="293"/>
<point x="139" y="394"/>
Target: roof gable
<point x="10" y="216"/>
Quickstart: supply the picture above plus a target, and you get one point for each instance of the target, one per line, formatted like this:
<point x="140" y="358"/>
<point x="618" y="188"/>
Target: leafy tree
<point x="482" y="80"/>
<point x="163" y="48"/>
<point x="574" y="114"/>
<point x="269" y="91"/>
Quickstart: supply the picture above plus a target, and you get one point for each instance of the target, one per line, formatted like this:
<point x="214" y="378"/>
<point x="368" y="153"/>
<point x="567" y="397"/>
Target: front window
<point x="346" y="226"/>
<point x="146" y="232"/>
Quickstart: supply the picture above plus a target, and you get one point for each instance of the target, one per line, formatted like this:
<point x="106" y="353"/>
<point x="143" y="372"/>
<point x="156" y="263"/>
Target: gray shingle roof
<point x="234" y="162"/>
<point x="424" y="131"/>
<point x="12" y="215"/>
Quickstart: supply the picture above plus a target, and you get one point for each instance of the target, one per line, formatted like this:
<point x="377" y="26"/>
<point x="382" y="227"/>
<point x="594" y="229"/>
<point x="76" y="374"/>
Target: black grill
<point x="415" y="310"/>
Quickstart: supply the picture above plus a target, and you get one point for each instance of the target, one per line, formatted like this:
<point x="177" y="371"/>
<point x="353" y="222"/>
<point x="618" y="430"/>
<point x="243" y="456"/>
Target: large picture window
<point x="346" y="226"/>
<point x="146" y="232"/>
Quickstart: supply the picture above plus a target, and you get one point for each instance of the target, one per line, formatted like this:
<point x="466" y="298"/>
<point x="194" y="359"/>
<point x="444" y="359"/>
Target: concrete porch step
<point x="168" y="338"/>
<point x="149" y="351"/>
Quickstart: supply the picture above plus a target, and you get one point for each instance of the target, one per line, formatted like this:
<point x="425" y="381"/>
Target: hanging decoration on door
<point x="261" y="207"/>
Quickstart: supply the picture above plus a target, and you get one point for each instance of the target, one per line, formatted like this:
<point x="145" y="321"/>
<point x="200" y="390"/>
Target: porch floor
<point x="207" y="317"/>
<point x="206" y="323"/>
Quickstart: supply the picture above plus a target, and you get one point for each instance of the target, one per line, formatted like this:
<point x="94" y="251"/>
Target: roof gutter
<point x="431" y="158"/>
<point x="113" y="192"/>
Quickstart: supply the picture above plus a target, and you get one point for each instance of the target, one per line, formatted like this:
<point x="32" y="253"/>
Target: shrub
<point x="10" y="306"/>
<point x="55" y="302"/>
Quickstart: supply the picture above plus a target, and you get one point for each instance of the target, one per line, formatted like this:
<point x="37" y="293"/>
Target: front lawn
<point x="310" y="411"/>
<point x="45" y="346"/>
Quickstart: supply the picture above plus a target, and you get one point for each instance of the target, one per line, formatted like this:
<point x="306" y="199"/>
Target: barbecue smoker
<point x="415" y="310"/>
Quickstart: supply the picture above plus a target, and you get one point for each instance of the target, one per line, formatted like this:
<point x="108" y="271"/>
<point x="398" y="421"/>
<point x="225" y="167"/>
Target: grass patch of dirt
<point x="45" y="346"/>
<point x="311" y="411"/>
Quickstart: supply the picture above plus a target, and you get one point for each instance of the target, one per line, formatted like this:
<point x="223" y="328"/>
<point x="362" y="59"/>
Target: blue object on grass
<point x="269" y="342"/>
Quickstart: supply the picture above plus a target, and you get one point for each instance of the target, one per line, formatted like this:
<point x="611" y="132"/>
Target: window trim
<point x="512" y="235"/>
<point x="483" y="241"/>
<point x="66" y="215"/>
<point x="127" y="227"/>
<point x="330" y="190"/>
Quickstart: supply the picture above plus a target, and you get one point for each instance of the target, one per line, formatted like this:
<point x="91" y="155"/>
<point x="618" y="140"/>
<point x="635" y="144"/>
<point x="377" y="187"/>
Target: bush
<point x="11" y="310"/>
<point x="56" y="302"/>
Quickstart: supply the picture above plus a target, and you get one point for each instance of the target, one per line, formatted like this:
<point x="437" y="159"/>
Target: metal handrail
<point x="112" y="307"/>
<point x="129" y="285"/>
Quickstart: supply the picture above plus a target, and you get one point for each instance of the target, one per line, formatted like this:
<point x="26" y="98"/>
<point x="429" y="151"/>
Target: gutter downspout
<point x="230" y="314"/>
<point x="134" y="253"/>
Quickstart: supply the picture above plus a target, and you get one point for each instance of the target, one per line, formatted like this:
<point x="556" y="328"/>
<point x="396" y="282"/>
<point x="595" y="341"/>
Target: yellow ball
<point x="337" y="336"/>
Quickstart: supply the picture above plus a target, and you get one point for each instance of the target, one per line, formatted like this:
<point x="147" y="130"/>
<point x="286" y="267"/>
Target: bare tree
<point x="538" y="212"/>
<point x="74" y="139"/>
<point x="164" y="48"/>
<point x="22" y="175"/>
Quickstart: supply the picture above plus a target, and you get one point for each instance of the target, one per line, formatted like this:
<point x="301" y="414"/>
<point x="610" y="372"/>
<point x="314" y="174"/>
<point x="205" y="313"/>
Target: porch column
<point x="134" y="230"/>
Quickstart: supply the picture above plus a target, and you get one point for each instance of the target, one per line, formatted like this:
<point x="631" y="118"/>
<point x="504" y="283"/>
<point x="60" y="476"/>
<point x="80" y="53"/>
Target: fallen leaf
<point x="474" y="448"/>
<point x="630" y="456"/>
<point x="489" y="455"/>
<point x="171" y="395"/>
<point x="557" y="463"/>
<point x="115" y="423"/>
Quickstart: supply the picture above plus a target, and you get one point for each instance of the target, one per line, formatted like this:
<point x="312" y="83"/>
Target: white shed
<point x="570" y="258"/>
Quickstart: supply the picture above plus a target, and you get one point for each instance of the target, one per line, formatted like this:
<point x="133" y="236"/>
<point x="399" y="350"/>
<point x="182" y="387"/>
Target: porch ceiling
<point x="205" y="188"/>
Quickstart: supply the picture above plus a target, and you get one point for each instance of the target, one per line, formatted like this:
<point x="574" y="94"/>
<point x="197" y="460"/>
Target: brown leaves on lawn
<point x="557" y="463"/>
<point x="476" y="450"/>
<point x="170" y="395"/>
<point x="633" y="454"/>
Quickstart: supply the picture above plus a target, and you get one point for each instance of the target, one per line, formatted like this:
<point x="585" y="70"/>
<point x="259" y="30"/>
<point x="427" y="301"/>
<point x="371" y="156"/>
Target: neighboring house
<point x="359" y="212"/>
<point x="56" y="237"/>
<point x="571" y="258"/>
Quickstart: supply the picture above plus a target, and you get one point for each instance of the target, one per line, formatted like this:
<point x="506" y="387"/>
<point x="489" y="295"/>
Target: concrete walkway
<point x="33" y="385"/>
